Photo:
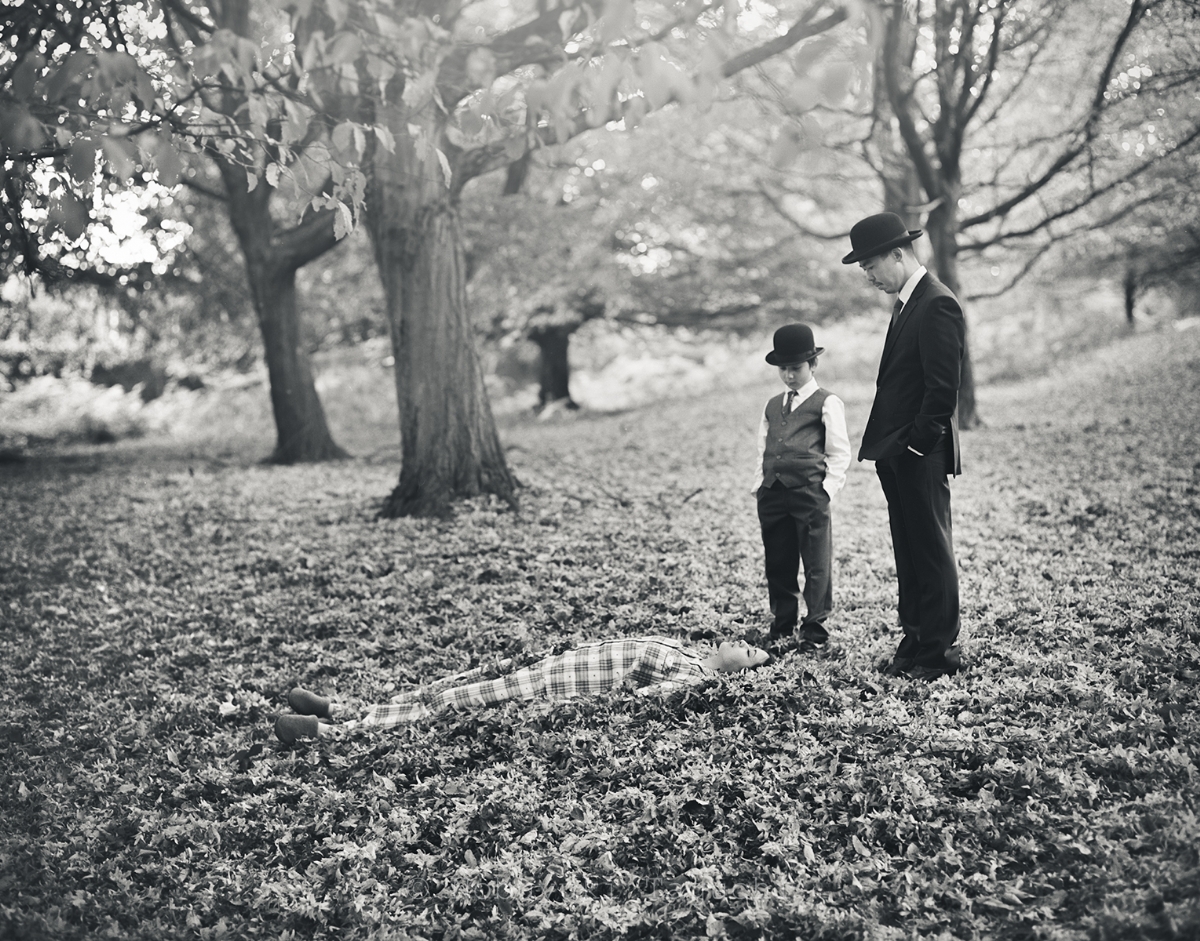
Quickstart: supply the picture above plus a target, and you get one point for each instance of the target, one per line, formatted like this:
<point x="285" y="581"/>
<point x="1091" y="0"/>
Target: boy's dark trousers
<point x="796" y="528"/>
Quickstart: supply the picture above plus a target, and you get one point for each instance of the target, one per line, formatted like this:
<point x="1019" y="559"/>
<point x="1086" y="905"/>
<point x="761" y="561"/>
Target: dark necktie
<point x="896" y="308"/>
<point x="791" y="397"/>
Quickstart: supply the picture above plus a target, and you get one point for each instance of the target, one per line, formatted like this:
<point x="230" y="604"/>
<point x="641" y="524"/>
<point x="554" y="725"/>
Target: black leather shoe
<point x="951" y="664"/>
<point x="924" y="674"/>
<point x="809" y="646"/>
<point x="897" y="666"/>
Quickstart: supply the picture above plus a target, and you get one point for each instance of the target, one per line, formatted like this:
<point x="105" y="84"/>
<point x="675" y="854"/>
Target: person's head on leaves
<point x="733" y="656"/>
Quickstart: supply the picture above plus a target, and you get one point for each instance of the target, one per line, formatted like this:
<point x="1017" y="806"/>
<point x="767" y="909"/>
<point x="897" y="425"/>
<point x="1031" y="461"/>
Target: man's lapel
<point x="903" y="319"/>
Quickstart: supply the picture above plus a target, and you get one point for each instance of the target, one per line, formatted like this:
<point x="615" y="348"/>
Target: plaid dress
<point x="638" y="662"/>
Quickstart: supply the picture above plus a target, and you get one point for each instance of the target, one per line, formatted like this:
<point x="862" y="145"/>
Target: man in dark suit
<point x="912" y="436"/>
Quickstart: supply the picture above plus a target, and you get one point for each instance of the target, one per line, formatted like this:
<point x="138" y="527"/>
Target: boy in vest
<point x="803" y="454"/>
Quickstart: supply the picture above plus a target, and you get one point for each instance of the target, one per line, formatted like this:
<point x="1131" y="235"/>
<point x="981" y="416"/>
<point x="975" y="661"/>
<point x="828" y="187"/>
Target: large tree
<point x="258" y="107"/>
<point x="148" y="88"/>
<point x="1013" y="116"/>
<point x="458" y="90"/>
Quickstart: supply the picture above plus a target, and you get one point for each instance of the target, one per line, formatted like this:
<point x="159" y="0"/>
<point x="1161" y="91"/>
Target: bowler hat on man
<point x="793" y="344"/>
<point x="878" y="234"/>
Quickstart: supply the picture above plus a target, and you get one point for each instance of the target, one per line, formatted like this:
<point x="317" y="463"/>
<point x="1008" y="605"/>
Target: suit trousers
<point x="796" y="528"/>
<point x="918" y="499"/>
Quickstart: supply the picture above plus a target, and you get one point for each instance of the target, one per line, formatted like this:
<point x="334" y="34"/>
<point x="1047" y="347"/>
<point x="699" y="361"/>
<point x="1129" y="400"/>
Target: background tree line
<point x="519" y="169"/>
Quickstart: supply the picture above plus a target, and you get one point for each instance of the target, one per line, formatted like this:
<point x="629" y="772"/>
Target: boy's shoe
<point x="305" y="703"/>
<point x="785" y="646"/>
<point x="781" y="633"/>
<point x="771" y="638"/>
<point x="813" y="637"/>
<point x="289" y="729"/>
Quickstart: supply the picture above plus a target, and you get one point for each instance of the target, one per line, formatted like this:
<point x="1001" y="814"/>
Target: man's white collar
<point x="911" y="284"/>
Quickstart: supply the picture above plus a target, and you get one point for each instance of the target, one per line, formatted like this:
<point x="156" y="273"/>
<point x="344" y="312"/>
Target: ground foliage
<point x="156" y="607"/>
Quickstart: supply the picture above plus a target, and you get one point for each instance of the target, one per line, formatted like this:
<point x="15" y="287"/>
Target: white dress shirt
<point x="911" y="284"/>
<point x="837" y="441"/>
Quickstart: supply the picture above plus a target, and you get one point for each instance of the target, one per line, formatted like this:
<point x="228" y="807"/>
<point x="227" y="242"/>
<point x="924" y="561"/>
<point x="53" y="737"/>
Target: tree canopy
<point x="305" y="118"/>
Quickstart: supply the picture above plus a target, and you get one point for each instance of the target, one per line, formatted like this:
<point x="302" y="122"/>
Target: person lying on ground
<point x="647" y="664"/>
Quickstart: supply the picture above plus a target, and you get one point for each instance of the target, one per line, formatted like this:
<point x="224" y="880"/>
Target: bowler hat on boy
<point x="878" y="234"/>
<point x="793" y="344"/>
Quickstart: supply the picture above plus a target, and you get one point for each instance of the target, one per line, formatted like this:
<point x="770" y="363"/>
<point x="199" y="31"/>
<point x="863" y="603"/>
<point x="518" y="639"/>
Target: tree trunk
<point x="901" y="185"/>
<point x="518" y="170"/>
<point x="942" y="180"/>
<point x="449" y="445"/>
<point x="302" y="433"/>
<point x="300" y="427"/>
<point x="448" y="440"/>
<point x="554" y="373"/>
<point x="1131" y="291"/>
<point x="273" y="256"/>
<point x="943" y="227"/>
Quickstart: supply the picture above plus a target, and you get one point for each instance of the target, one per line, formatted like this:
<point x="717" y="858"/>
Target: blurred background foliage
<point x="666" y="254"/>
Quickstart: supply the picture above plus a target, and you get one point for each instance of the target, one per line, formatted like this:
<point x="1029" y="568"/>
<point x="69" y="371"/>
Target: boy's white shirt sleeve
<point x="837" y="444"/>
<point x="762" y="451"/>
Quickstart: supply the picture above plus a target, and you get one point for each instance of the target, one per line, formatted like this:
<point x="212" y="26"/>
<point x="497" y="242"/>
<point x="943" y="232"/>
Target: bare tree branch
<point x="309" y="240"/>
<point x="1085" y="134"/>
<point x="804" y="28"/>
<point x="194" y="24"/>
<point x="1015" y="89"/>
<point x="537" y="42"/>
<point x="1091" y="196"/>
<point x="899" y="99"/>
<point x="1030" y="262"/>
<point x="688" y="16"/>
<point x="969" y="108"/>
<point x="203" y="190"/>
<point x="777" y="204"/>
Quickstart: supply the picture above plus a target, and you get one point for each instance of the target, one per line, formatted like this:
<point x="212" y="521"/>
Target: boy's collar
<point x="804" y="388"/>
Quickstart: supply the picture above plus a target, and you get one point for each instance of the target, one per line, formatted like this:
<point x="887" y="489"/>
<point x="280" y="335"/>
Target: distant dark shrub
<point x="128" y="375"/>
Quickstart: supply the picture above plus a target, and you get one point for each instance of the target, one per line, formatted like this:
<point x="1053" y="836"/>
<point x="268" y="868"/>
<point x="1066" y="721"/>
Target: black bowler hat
<point x="793" y="344"/>
<point x="877" y="234"/>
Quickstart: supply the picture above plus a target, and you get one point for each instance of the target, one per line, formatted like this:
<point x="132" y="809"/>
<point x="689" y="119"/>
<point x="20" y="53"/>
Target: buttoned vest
<point x="795" y="451"/>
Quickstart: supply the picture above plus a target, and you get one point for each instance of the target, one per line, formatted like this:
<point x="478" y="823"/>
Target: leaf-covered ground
<point x="156" y="607"/>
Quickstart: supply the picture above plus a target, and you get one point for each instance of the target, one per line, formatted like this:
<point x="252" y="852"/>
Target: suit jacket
<point x="916" y="394"/>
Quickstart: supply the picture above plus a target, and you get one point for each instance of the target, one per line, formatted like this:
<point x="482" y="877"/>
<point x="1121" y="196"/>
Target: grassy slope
<point x="155" y="609"/>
